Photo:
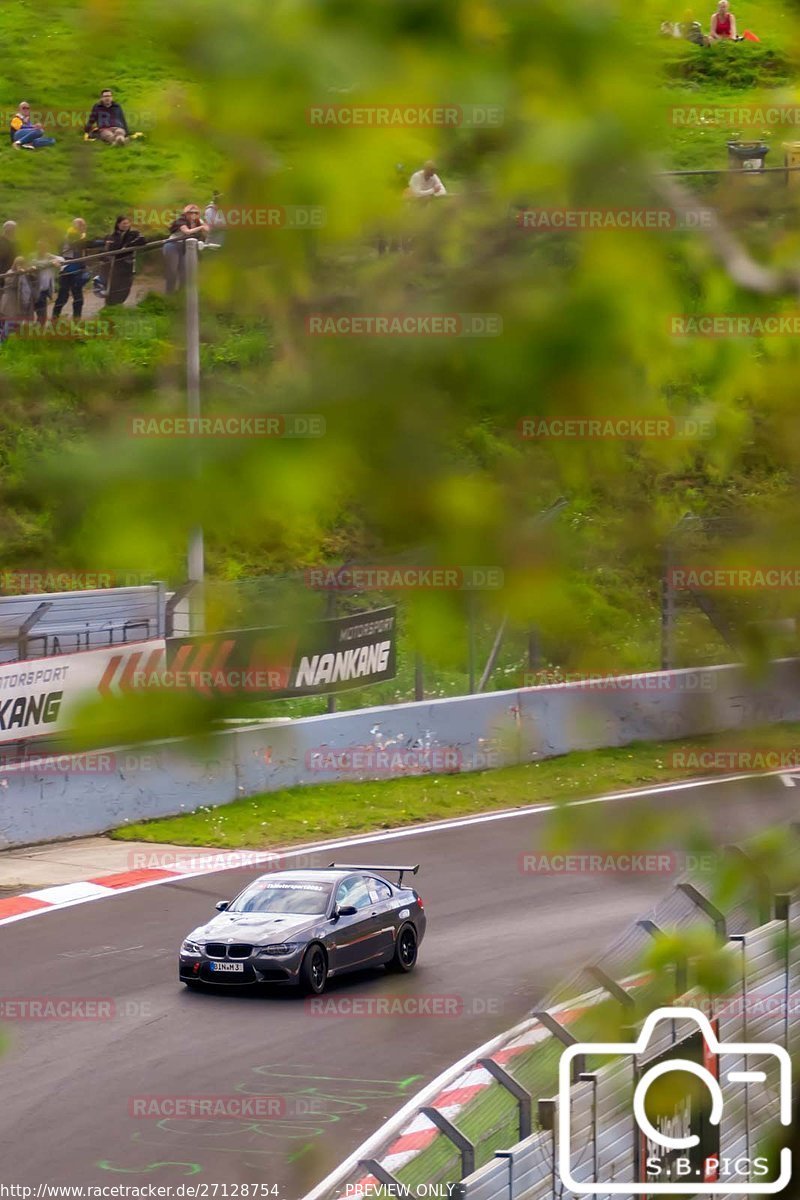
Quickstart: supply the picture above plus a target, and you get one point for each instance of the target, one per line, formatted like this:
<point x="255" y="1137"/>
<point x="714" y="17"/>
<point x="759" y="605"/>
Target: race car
<point x="303" y="927"/>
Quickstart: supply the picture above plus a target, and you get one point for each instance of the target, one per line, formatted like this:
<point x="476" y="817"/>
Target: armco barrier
<point x="763" y="1007"/>
<point x="494" y="729"/>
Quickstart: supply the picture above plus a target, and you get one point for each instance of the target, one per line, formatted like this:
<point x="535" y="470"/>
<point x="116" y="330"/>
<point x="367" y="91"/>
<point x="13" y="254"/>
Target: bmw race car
<point x="302" y="927"/>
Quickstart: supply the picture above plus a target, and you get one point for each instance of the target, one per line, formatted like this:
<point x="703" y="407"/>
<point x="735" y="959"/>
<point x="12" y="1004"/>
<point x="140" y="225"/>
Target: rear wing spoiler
<point x="401" y="871"/>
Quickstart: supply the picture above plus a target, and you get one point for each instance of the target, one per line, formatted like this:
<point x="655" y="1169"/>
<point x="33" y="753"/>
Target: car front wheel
<point x="405" y="951"/>
<point x="314" y="971"/>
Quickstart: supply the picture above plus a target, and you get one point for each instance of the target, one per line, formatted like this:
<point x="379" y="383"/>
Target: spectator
<point x="73" y="277"/>
<point x="107" y="121"/>
<point x="8" y="246"/>
<point x="122" y="266"/>
<point x="426" y="182"/>
<point x="723" y="23"/>
<point x="214" y="220"/>
<point x="44" y="265"/>
<point x="17" y="300"/>
<point x="186" y="225"/>
<point x="24" y="134"/>
<point x="9" y="250"/>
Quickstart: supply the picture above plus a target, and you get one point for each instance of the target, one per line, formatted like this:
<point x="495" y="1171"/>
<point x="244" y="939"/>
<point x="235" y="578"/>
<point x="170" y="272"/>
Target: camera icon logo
<point x="672" y="1165"/>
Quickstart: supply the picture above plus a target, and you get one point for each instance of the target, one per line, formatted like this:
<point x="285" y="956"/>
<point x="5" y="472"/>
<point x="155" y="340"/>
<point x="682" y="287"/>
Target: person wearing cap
<point x="187" y="224"/>
<point x="25" y="135"/>
<point x="426" y="182"/>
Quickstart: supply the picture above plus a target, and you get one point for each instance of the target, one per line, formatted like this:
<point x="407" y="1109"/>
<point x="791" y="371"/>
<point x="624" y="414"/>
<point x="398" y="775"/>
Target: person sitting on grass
<point x="723" y="23"/>
<point x="25" y="135"/>
<point x="107" y="121"/>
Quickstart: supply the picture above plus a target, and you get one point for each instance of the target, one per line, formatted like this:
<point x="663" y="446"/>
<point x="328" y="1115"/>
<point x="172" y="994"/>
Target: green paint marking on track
<point x="404" y="1083"/>
<point x="105" y="1165"/>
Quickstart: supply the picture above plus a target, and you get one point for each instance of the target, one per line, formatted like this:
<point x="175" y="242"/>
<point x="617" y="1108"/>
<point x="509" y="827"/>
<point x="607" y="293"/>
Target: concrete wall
<point x="466" y="733"/>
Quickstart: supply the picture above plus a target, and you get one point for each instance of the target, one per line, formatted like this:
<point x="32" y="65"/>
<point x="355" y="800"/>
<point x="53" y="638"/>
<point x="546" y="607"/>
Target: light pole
<point x="195" y="564"/>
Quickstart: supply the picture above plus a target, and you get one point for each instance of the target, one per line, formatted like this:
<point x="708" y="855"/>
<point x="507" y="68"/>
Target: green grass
<point x="77" y="178"/>
<point x="302" y="814"/>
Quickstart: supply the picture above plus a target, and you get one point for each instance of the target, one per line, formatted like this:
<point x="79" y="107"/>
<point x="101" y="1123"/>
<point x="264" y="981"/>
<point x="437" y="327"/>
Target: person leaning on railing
<point x="122" y="264"/>
<point x="187" y="224"/>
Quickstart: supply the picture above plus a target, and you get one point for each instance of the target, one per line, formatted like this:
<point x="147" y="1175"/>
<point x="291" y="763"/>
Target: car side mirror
<point x="345" y="910"/>
<point x="222" y="905"/>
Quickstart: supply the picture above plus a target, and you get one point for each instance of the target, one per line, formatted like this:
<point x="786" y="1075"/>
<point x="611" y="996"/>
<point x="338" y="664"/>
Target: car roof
<point x="310" y="875"/>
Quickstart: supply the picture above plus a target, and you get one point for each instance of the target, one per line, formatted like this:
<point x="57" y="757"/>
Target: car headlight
<point x="280" y="948"/>
<point x="190" y="948"/>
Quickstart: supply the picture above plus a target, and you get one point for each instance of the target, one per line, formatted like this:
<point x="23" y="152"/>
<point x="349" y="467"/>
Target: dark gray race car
<point x="301" y="927"/>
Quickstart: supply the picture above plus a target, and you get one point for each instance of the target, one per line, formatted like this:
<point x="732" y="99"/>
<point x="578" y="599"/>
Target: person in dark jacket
<point x="122" y="266"/>
<point x="72" y="279"/>
<point x="107" y="121"/>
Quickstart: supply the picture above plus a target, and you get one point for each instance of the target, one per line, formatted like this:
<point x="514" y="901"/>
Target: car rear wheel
<point x="314" y="971"/>
<point x="405" y="951"/>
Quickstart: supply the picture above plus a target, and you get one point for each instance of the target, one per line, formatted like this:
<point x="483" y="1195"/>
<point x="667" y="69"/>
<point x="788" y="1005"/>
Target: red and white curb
<point x="30" y="904"/>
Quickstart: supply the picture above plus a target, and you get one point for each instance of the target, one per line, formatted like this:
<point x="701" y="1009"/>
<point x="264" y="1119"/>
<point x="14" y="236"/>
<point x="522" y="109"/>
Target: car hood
<point x="260" y="929"/>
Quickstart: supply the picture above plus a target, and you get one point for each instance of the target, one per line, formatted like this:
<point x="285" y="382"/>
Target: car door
<point x="385" y="909"/>
<point x="355" y="939"/>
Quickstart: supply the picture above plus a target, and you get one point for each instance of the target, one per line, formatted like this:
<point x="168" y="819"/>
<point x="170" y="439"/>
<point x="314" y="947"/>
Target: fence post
<point x="471" y="639"/>
<point x="667" y="611"/>
<point x="704" y="904"/>
<point x="28" y="624"/>
<point x="565" y="1037"/>
<point x="783" y="911"/>
<point x="330" y="611"/>
<point x="465" y="1147"/>
<point x="520" y="1094"/>
<point x="169" y="612"/>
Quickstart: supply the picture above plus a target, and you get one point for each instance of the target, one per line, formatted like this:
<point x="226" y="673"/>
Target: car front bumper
<point x="255" y="969"/>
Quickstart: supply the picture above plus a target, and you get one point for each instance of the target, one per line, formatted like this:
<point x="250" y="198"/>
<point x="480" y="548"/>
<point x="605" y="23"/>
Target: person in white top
<point x="426" y="182"/>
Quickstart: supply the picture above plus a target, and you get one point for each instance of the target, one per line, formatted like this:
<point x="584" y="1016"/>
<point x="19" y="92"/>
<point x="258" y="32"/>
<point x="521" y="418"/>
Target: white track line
<point x="387" y="835"/>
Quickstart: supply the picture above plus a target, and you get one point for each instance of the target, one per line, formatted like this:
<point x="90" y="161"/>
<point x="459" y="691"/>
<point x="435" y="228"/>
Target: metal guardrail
<point x="52" y="623"/>
<point x="524" y="1167"/>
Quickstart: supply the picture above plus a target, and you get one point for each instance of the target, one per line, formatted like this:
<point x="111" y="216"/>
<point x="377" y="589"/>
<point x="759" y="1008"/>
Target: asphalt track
<point x="498" y="938"/>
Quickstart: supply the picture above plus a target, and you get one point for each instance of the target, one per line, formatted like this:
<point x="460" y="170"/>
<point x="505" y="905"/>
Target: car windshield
<point x="301" y="897"/>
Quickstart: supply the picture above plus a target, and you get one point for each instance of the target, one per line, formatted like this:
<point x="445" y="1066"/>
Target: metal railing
<point x="515" y="1155"/>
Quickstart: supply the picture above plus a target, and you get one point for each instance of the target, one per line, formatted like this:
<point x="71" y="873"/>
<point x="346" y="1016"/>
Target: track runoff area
<point x="107" y="1056"/>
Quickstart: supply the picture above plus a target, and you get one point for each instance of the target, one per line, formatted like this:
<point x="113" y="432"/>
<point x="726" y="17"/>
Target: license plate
<point x="226" y="966"/>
